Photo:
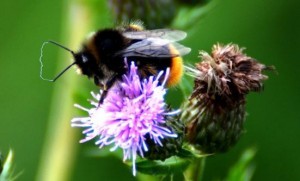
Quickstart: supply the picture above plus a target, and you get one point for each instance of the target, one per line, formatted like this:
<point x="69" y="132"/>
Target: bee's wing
<point x="154" y="47"/>
<point x="167" y="34"/>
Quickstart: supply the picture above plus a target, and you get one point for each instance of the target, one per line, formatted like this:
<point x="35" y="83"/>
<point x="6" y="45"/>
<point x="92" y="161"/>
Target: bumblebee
<point x="102" y="54"/>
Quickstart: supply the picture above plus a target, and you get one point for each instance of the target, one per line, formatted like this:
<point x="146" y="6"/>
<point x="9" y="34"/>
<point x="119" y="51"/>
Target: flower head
<point x="215" y="112"/>
<point x="228" y="71"/>
<point x="133" y="111"/>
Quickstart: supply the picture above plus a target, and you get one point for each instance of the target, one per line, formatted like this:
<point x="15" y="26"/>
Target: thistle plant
<point x="215" y="112"/>
<point x="156" y="138"/>
<point x="135" y="118"/>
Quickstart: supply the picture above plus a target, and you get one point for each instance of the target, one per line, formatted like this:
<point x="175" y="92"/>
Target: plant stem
<point x="195" y="170"/>
<point x="61" y="142"/>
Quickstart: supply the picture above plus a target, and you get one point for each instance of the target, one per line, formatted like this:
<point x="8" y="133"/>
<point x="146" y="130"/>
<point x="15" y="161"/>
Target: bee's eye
<point x="84" y="59"/>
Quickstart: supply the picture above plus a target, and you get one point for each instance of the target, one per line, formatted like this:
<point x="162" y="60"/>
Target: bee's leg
<point x="103" y="95"/>
<point x="106" y="87"/>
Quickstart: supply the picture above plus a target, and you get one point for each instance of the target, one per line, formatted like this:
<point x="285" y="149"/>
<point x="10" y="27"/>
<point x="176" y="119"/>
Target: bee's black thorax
<point x="107" y="43"/>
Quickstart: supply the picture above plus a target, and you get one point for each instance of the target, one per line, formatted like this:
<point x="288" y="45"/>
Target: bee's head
<point x="86" y="63"/>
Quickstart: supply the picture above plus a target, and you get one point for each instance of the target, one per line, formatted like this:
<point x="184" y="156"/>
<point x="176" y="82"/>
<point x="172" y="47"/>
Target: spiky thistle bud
<point x="155" y="14"/>
<point x="170" y="146"/>
<point x="215" y="113"/>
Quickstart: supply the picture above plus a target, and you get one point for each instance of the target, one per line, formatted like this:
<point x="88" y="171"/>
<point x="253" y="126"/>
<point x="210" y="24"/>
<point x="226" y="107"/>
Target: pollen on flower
<point x="132" y="111"/>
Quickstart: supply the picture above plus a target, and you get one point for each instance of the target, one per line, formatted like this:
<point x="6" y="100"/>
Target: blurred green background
<point x="269" y="29"/>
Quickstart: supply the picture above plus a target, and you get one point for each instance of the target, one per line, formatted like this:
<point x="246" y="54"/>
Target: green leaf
<point x="192" y="14"/>
<point x="243" y="169"/>
<point x="169" y="166"/>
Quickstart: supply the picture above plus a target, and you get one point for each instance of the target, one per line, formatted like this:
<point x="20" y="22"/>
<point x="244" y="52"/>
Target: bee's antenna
<point x="61" y="46"/>
<point x="62" y="72"/>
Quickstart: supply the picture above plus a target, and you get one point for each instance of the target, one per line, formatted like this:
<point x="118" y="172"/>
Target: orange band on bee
<point x="176" y="69"/>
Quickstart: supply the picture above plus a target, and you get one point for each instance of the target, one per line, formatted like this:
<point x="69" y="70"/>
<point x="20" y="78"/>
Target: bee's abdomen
<point x="176" y="68"/>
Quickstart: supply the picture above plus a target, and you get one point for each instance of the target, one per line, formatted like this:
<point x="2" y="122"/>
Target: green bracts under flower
<point x="211" y="129"/>
<point x="170" y="145"/>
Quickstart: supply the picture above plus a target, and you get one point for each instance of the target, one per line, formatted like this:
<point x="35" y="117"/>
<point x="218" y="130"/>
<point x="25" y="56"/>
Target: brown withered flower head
<point x="215" y="113"/>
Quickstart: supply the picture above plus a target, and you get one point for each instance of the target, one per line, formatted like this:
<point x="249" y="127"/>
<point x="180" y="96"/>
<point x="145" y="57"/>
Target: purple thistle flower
<point x="132" y="109"/>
